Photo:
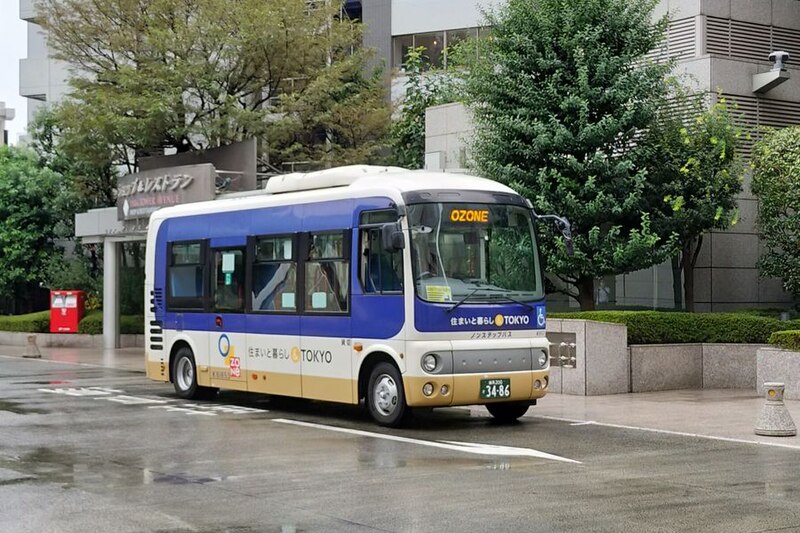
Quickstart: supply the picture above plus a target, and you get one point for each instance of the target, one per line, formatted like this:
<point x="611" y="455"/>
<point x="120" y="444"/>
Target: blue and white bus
<point x="400" y="288"/>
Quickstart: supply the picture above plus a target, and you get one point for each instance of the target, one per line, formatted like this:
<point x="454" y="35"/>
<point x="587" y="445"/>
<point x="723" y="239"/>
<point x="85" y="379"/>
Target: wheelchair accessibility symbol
<point x="540" y="316"/>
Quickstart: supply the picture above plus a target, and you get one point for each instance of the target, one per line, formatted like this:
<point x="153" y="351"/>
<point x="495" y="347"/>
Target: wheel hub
<point x="385" y="395"/>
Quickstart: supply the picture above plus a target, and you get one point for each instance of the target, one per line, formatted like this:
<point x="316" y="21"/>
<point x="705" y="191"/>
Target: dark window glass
<point x="379" y="270"/>
<point x="228" y="280"/>
<point x="185" y="276"/>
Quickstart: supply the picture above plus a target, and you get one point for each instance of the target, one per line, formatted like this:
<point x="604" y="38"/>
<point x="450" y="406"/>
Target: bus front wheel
<point x="386" y="399"/>
<point x="507" y="412"/>
<point x="184" y="377"/>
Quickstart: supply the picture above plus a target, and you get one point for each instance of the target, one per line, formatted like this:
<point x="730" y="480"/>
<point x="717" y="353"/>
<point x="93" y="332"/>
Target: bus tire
<point x="386" y="399"/>
<point x="507" y="412"/>
<point x="184" y="377"/>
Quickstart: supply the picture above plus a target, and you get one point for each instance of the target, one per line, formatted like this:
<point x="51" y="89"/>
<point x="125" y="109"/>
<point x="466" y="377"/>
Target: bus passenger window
<point x="327" y="274"/>
<point x="274" y="275"/>
<point x="185" y="276"/>
<point x="228" y="281"/>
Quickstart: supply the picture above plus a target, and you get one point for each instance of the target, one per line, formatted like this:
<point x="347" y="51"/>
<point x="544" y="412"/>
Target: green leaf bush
<point x="657" y="327"/>
<point x="92" y="324"/>
<point x="30" y="323"/>
<point x="788" y="340"/>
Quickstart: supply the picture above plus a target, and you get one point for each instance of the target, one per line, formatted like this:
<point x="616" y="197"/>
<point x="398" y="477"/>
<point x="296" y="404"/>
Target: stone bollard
<point x="775" y="420"/>
<point x="31" y="349"/>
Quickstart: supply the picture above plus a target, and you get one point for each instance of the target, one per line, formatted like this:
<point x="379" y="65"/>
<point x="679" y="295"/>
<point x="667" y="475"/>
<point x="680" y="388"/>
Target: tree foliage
<point x="560" y="96"/>
<point x="156" y="74"/>
<point x="776" y="182"/>
<point x="421" y="91"/>
<point x="34" y="202"/>
<point x="695" y="173"/>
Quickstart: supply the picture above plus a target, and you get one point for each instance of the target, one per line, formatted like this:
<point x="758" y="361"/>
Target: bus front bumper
<point x="465" y="389"/>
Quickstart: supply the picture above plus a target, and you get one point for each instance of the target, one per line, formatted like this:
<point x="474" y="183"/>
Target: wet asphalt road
<point x="90" y="449"/>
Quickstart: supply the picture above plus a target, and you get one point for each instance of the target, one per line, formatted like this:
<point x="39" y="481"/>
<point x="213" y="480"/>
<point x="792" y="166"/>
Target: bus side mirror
<point x="392" y="238"/>
<point x="566" y="231"/>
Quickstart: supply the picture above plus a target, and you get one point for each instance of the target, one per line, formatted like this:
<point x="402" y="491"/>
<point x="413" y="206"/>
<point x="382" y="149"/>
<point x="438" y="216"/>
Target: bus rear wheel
<point x="184" y="377"/>
<point x="507" y="412"/>
<point x="386" y="399"/>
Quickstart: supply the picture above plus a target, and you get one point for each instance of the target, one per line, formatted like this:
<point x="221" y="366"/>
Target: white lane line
<point x="467" y="447"/>
<point x="676" y="433"/>
<point x="587" y="423"/>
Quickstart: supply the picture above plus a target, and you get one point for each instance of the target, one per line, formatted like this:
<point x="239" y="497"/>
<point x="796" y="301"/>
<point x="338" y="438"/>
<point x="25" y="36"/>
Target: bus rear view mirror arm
<point x="564" y="226"/>
<point x="392" y="238"/>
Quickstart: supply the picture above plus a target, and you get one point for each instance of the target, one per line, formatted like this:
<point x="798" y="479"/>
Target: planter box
<point x="658" y="367"/>
<point x="65" y="340"/>
<point x="776" y="364"/>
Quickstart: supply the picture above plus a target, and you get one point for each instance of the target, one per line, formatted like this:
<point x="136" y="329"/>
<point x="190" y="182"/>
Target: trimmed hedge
<point x="30" y="323"/>
<point x="788" y="340"/>
<point x="92" y="324"/>
<point x="658" y="327"/>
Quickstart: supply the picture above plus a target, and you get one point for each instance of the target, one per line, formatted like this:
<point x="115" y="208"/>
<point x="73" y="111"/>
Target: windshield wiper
<point x="510" y="299"/>
<point x="464" y="299"/>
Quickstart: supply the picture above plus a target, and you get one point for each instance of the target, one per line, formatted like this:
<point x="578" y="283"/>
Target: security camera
<point x="780" y="58"/>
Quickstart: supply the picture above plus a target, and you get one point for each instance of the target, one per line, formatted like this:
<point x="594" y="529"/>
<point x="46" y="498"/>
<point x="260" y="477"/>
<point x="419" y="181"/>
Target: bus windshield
<point x="474" y="253"/>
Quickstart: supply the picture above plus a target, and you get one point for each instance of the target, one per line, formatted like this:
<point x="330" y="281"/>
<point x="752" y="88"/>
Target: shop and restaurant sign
<point x="142" y="193"/>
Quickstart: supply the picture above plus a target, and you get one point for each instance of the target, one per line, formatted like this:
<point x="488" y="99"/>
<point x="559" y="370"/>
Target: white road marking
<point x="466" y="447"/>
<point x="676" y="433"/>
<point x="587" y="423"/>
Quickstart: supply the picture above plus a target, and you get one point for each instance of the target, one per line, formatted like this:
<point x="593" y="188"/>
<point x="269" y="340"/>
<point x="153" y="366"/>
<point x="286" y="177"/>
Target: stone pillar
<point x="110" y="294"/>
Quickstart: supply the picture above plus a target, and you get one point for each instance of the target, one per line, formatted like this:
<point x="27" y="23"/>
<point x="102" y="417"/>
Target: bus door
<point x="227" y="338"/>
<point x="325" y="330"/>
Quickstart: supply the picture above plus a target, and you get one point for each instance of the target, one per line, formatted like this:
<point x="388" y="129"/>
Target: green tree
<point x="161" y="74"/>
<point x="34" y="203"/>
<point x="776" y="182"/>
<point x="94" y="184"/>
<point x="560" y="95"/>
<point x="421" y="91"/>
<point x="695" y="174"/>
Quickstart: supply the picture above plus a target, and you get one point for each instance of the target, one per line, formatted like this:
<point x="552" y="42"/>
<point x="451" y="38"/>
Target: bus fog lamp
<point x="429" y="362"/>
<point x="445" y="390"/>
<point x="537" y="384"/>
<point x="427" y="389"/>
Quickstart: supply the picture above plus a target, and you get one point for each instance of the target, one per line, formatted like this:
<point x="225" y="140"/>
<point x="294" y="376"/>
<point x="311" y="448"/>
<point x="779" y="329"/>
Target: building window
<point x="436" y="46"/>
<point x="327" y="272"/>
<point x="274" y="275"/>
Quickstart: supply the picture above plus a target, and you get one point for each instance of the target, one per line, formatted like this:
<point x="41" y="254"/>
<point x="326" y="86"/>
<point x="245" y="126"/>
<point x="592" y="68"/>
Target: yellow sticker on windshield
<point x="438" y="293"/>
<point x="469" y="215"/>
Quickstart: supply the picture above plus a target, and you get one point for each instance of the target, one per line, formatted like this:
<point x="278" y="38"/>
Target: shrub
<point x="788" y="340"/>
<point x="92" y="324"/>
<point x="656" y="327"/>
<point x="30" y="323"/>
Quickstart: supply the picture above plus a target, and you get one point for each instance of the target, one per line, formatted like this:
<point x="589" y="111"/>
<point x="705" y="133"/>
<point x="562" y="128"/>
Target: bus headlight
<point x="429" y="362"/>
<point x="543" y="359"/>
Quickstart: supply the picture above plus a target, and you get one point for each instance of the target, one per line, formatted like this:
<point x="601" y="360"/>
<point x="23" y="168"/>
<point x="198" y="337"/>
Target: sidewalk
<point x="723" y="414"/>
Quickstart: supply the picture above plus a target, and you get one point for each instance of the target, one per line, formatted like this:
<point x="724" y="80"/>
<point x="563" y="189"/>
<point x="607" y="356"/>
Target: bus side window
<point x="228" y="281"/>
<point x="274" y="274"/>
<point x="380" y="271"/>
<point x="326" y="274"/>
<point x="185" y="276"/>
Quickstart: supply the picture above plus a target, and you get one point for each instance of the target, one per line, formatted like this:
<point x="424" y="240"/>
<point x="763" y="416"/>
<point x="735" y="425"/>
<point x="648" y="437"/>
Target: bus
<point x="398" y="288"/>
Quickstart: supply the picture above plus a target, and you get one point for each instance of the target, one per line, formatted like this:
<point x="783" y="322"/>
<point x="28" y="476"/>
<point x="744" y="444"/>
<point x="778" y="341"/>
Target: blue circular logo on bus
<point x="224" y="345"/>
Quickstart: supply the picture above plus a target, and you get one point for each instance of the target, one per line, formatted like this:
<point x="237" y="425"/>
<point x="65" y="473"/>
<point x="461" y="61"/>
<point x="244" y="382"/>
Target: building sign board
<point x="142" y="193"/>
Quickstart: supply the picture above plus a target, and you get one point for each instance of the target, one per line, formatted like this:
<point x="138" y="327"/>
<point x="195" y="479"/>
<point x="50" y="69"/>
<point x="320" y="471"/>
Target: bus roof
<point x="354" y="181"/>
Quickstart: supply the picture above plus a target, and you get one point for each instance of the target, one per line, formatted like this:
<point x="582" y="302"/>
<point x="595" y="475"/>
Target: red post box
<point x="66" y="311"/>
